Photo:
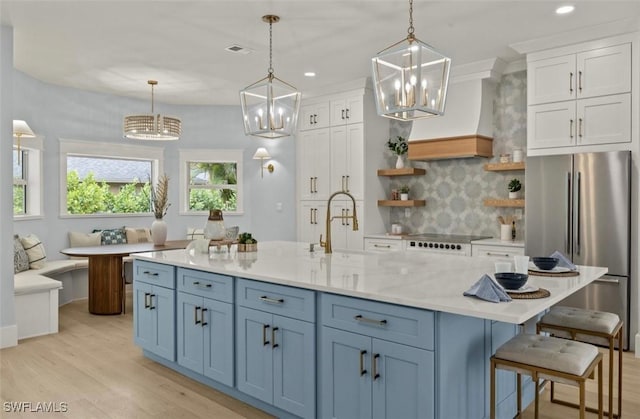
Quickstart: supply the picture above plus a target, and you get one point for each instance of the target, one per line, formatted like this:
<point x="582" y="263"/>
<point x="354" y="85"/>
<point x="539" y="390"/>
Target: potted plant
<point x="399" y="147"/>
<point x="514" y="189"/>
<point x="404" y="192"/>
<point x="246" y="243"/>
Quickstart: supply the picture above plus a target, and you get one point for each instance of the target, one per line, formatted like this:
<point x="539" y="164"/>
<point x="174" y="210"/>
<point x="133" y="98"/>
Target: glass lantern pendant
<point x="270" y="106"/>
<point x="410" y="78"/>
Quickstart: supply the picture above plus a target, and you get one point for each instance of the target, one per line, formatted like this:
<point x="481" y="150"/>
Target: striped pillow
<point x="35" y="251"/>
<point x="138" y="235"/>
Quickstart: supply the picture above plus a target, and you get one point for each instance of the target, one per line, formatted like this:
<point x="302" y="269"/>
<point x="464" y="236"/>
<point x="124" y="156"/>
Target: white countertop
<point x="434" y="282"/>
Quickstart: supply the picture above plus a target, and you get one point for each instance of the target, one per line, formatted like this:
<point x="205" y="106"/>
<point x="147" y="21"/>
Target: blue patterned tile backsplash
<point x="455" y="189"/>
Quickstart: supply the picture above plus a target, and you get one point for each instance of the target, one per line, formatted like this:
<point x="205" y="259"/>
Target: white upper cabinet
<point x="314" y="155"/>
<point x="315" y="115"/>
<point x="579" y="97"/>
<point x="347" y="110"/>
<point x="347" y="160"/>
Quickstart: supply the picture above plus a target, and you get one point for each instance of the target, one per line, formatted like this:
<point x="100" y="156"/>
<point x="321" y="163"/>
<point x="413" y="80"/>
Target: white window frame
<point x="105" y="150"/>
<point x="33" y="177"/>
<point x="210" y="156"/>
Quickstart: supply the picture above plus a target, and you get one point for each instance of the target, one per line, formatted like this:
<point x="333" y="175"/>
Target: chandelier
<point x="152" y="127"/>
<point x="410" y="78"/>
<point x="270" y="106"/>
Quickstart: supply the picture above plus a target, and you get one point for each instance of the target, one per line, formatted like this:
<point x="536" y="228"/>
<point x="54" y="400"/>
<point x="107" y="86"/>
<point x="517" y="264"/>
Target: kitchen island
<point x="350" y="334"/>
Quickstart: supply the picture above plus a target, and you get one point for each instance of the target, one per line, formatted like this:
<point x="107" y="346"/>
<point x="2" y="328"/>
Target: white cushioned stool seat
<point x="546" y="357"/>
<point x="580" y="318"/>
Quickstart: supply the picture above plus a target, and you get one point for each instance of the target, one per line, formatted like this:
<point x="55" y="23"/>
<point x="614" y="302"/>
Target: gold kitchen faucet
<point x="327" y="243"/>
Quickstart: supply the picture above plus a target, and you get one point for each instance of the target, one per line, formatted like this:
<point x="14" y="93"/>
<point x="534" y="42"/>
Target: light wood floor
<point x="93" y="365"/>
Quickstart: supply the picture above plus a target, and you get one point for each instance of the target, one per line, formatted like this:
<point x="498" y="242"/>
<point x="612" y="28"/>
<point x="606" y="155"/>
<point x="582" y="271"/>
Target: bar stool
<point x="597" y="327"/>
<point x="548" y="358"/>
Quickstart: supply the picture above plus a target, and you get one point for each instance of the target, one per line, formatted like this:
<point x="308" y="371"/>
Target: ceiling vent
<point x="237" y="49"/>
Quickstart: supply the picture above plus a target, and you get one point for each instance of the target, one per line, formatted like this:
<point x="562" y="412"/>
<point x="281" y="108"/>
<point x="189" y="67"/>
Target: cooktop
<point x="445" y="238"/>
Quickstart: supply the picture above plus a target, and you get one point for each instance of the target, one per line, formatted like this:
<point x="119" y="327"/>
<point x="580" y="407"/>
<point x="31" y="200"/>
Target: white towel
<point x="487" y="289"/>
<point x="563" y="260"/>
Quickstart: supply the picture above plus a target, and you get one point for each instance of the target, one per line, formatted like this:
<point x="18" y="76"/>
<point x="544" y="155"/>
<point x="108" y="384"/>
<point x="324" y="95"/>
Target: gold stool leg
<point x="600" y="391"/>
<point x="582" y="400"/>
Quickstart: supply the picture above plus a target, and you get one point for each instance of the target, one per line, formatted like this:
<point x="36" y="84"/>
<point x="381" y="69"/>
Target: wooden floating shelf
<point x="405" y="171"/>
<point x="400" y="203"/>
<point x="501" y="167"/>
<point x="513" y="203"/>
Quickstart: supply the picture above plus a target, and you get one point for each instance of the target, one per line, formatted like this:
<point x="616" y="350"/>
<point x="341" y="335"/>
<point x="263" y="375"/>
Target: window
<point x="211" y="179"/>
<point x="27" y="179"/>
<point x="100" y="179"/>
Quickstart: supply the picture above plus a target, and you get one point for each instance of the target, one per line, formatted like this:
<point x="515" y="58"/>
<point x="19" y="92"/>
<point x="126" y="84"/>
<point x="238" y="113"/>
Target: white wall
<point x="8" y="329"/>
<point x="61" y="112"/>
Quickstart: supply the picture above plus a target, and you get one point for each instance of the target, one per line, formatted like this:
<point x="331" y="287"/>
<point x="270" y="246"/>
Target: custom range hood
<point x="466" y="129"/>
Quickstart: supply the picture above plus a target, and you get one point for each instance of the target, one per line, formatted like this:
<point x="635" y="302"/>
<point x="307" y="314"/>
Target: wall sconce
<point x="261" y="154"/>
<point x="21" y="130"/>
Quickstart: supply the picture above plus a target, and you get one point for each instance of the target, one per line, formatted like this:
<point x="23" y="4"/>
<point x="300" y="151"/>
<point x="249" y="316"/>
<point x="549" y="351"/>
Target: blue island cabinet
<point x="205" y="324"/>
<point x="275" y="332"/>
<point x="154" y="308"/>
<point x="376" y="360"/>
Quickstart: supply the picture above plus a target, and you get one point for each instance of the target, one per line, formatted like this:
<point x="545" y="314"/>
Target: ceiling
<point x="116" y="46"/>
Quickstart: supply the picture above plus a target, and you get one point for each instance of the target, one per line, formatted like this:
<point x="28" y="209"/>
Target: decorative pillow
<point x="35" y="251"/>
<point x="113" y="236"/>
<point x="77" y="239"/>
<point x="138" y="235"/>
<point x="20" y="258"/>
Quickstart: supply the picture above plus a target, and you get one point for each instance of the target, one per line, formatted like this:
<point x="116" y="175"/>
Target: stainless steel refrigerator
<point x="580" y="204"/>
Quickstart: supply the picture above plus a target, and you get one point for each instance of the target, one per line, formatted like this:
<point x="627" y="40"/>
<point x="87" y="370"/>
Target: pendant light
<point x="270" y="106"/>
<point x="410" y="78"/>
<point x="152" y="127"/>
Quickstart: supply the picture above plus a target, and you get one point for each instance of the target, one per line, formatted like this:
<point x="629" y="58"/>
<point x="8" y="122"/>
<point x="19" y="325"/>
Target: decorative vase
<point x="159" y="231"/>
<point x="399" y="162"/>
<point x="214" y="228"/>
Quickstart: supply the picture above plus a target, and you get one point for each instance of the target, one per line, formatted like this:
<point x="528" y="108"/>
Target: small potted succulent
<point x="399" y="147"/>
<point x="246" y="243"/>
<point x="514" y="188"/>
<point x="404" y="192"/>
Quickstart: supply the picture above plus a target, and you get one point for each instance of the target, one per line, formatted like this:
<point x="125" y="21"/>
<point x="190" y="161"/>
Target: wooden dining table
<point x="106" y="282"/>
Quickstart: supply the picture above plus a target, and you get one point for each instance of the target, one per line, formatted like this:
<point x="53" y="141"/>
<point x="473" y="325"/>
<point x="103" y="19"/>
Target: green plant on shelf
<point x="514" y="185"/>
<point x="405" y="189"/>
<point x="399" y="146"/>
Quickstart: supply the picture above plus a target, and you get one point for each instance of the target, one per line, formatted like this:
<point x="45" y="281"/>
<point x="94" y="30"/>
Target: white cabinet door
<point x="347" y="160"/>
<point x="551" y="80"/>
<point x="312" y="220"/>
<point x="383" y="245"/>
<point x="551" y="125"/>
<point x="604" y="120"/>
<point x="349" y="110"/>
<point x="342" y="234"/>
<point x="496" y="252"/>
<point x="314" y="164"/>
<point x="314" y="116"/>
<point x="604" y="71"/>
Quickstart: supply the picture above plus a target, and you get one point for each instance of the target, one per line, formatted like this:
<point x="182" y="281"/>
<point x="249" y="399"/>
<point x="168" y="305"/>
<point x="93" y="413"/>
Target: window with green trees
<point x="213" y="185"/>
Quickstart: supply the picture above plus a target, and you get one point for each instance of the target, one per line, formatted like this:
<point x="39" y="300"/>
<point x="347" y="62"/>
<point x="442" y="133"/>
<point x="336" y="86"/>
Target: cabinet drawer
<point x="381" y="245"/>
<point x="278" y="299"/>
<point x="206" y="284"/>
<point x="154" y="273"/>
<point x="406" y="325"/>
<point x="498" y="252"/>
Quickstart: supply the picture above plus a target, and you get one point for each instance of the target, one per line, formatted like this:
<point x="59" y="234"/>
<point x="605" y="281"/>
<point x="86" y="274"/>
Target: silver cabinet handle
<point x="310" y="215"/>
<point x="580" y="81"/>
<point x="571" y="128"/>
<point x="578" y="220"/>
<point x="363" y="371"/>
<point x="150" y="273"/>
<point x="374" y="366"/>
<point x="570" y="82"/>
<point x="361" y="319"/>
<point x="273" y="337"/>
<point x="311" y="184"/>
<point x="199" y="285"/>
<point x="265" y="342"/>
<point x="203" y="324"/>
<point x="506" y="255"/>
<point x="315" y="184"/>
<point x="384" y="246"/>
<point x="271" y="300"/>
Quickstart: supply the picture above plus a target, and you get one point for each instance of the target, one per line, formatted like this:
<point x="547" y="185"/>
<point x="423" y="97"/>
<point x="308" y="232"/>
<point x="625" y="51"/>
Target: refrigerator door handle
<point x="608" y="280"/>
<point x="578" y="205"/>
<point x="567" y="232"/>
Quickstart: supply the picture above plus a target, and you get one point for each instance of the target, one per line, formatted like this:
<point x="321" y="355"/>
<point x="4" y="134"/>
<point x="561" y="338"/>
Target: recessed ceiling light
<point x="309" y="74"/>
<point x="237" y="49"/>
<point x="563" y="10"/>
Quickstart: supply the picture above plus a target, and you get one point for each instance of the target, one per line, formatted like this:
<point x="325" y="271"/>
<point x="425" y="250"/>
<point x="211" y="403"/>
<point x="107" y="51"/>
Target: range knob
<point x="458" y="247"/>
<point x="446" y="246"/>
<point x="419" y="244"/>
<point x="441" y="246"/>
<point x="412" y="244"/>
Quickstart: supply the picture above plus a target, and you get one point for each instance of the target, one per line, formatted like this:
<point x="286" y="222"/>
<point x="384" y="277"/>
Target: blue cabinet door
<point x="403" y="381"/>
<point x="190" y="335"/>
<point x="218" y="341"/>
<point x="253" y="353"/>
<point x="163" y="304"/>
<point x="293" y="343"/>
<point x="143" y="318"/>
<point x="345" y="375"/>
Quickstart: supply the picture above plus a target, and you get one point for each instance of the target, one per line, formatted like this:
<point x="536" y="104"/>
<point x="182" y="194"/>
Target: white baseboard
<point x="8" y="336"/>
<point x="638" y="345"/>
